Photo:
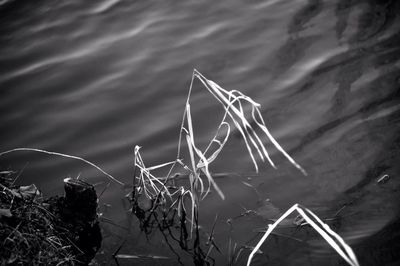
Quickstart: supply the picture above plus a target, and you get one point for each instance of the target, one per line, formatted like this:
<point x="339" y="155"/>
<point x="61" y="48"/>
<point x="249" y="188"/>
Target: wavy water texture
<point x="94" y="79"/>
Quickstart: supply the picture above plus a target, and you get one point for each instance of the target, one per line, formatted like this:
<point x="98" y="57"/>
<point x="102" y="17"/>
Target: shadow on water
<point x="382" y="247"/>
<point x="305" y="15"/>
<point x="390" y="97"/>
<point x="365" y="50"/>
<point x="365" y="99"/>
<point x="375" y="216"/>
<point x="371" y="205"/>
<point x="296" y="45"/>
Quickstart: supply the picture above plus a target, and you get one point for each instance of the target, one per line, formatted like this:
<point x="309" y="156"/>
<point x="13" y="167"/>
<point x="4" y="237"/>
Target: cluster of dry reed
<point x="232" y="102"/>
<point x="152" y="194"/>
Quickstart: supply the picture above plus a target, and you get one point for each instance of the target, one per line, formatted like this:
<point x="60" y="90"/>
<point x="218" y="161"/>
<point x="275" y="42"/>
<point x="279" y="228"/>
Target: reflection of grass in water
<point x="161" y="205"/>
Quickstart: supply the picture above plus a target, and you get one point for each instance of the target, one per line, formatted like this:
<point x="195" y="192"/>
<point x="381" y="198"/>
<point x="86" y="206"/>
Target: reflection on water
<point x="93" y="79"/>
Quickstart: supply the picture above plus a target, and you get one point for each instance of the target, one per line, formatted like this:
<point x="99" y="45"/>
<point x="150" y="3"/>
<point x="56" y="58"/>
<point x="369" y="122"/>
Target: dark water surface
<point x="95" y="78"/>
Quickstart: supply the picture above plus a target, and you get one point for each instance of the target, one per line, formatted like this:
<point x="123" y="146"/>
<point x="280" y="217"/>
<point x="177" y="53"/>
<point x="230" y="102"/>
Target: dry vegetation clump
<point x="31" y="232"/>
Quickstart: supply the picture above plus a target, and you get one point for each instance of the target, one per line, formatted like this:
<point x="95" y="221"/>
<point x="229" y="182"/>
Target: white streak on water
<point x="4" y="2"/>
<point x="384" y="112"/>
<point x="104" y="6"/>
<point x="103" y="83"/>
<point x="352" y="124"/>
<point x="85" y="51"/>
<point x="307" y="67"/>
<point x="266" y="4"/>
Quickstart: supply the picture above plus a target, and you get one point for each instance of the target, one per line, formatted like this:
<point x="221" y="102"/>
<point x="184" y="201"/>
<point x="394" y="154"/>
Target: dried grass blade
<point x="214" y="155"/>
<point x="66" y="156"/>
<point x="203" y="159"/>
<point x="276" y="144"/>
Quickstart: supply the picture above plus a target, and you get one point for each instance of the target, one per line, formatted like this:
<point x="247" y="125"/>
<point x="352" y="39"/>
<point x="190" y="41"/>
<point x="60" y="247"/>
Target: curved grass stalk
<point x="147" y="181"/>
<point x="66" y="156"/>
<point x="221" y="145"/>
<point x="276" y="144"/>
<point x="333" y="239"/>
<point x="238" y="117"/>
<point x="192" y="146"/>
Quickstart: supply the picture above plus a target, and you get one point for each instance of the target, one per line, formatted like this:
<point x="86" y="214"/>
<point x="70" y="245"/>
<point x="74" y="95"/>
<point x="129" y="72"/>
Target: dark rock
<point x="77" y="213"/>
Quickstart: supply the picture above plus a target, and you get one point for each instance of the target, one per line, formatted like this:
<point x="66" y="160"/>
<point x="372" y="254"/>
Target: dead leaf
<point x="7" y="172"/>
<point x="30" y="191"/>
<point x="5" y="212"/>
<point x="267" y="210"/>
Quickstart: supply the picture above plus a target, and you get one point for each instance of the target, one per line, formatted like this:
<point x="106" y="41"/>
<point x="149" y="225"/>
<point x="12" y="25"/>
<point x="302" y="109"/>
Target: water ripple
<point x="95" y="79"/>
<point x="104" y="6"/>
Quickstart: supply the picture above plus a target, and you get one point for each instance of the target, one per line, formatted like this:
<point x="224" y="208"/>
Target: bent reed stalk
<point x="66" y="156"/>
<point x="333" y="239"/>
